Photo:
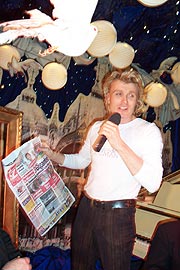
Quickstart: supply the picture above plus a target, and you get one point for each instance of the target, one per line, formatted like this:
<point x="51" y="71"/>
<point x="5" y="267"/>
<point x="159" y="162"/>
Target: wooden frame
<point x="10" y="139"/>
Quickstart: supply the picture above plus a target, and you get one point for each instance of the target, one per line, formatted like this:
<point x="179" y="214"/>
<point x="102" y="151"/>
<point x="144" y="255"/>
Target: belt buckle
<point x="117" y="205"/>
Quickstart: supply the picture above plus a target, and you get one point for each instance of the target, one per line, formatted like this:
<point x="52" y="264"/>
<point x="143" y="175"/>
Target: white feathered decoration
<point x="69" y="31"/>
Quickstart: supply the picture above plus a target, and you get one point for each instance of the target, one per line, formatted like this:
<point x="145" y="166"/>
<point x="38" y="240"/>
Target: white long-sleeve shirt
<point x="109" y="177"/>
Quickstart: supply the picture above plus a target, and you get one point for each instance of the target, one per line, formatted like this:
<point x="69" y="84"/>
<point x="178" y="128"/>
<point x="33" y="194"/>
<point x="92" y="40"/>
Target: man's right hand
<point x="18" y="264"/>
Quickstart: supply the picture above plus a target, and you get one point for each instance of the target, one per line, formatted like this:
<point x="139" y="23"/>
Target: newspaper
<point x="37" y="186"/>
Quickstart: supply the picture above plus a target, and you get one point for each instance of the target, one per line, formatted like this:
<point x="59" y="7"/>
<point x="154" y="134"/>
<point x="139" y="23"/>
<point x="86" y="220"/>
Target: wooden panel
<point x="10" y="139"/>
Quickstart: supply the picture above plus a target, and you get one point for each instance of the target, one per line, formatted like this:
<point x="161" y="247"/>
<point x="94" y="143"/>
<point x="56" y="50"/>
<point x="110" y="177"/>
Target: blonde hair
<point x="126" y="76"/>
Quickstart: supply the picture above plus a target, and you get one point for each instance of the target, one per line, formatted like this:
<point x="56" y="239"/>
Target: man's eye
<point x="132" y="95"/>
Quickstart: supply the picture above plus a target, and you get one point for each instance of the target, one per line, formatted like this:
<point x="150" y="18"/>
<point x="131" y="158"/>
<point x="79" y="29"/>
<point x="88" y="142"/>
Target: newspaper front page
<point x="37" y="186"/>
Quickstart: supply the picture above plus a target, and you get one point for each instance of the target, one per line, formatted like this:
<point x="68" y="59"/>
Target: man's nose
<point x="124" y="99"/>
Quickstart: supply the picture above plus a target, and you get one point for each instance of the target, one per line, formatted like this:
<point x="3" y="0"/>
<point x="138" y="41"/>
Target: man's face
<point x="122" y="98"/>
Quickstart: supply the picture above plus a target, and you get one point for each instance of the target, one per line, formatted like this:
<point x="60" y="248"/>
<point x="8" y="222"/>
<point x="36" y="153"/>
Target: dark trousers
<point x="102" y="233"/>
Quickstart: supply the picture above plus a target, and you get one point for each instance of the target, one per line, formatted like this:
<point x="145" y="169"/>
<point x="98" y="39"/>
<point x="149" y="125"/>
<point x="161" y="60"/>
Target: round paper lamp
<point x="6" y="54"/>
<point x="155" y="94"/>
<point x="54" y="76"/>
<point x="105" y="39"/>
<point x="121" y="55"/>
<point x="175" y="73"/>
<point x="152" y="3"/>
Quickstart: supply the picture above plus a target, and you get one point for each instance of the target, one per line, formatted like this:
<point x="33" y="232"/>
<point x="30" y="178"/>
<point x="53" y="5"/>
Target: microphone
<point x="101" y="139"/>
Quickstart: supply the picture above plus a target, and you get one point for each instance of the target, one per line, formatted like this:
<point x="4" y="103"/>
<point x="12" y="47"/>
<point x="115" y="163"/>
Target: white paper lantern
<point x="152" y="3"/>
<point x="105" y="39"/>
<point x="122" y="55"/>
<point x="54" y="76"/>
<point x="155" y="94"/>
<point x="6" y="54"/>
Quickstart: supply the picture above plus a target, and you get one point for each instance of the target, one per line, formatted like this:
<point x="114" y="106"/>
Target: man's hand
<point x="18" y="264"/>
<point x="49" y="152"/>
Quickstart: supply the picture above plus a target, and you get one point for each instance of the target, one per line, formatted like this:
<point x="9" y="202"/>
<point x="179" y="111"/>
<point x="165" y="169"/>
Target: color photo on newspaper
<point x="37" y="186"/>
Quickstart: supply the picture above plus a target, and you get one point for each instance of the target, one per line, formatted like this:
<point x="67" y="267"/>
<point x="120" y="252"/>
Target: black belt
<point x="112" y="204"/>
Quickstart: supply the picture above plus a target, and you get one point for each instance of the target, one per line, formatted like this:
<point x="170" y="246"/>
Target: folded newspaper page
<point x="37" y="186"/>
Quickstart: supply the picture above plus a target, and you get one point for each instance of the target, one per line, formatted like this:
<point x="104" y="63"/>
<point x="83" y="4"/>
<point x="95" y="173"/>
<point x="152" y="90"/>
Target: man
<point x="131" y="157"/>
<point x="164" y="252"/>
<point x="9" y="256"/>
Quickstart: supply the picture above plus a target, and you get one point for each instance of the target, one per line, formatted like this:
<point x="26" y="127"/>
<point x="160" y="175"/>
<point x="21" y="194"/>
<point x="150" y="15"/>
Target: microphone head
<point x="115" y="118"/>
<point x="98" y="144"/>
